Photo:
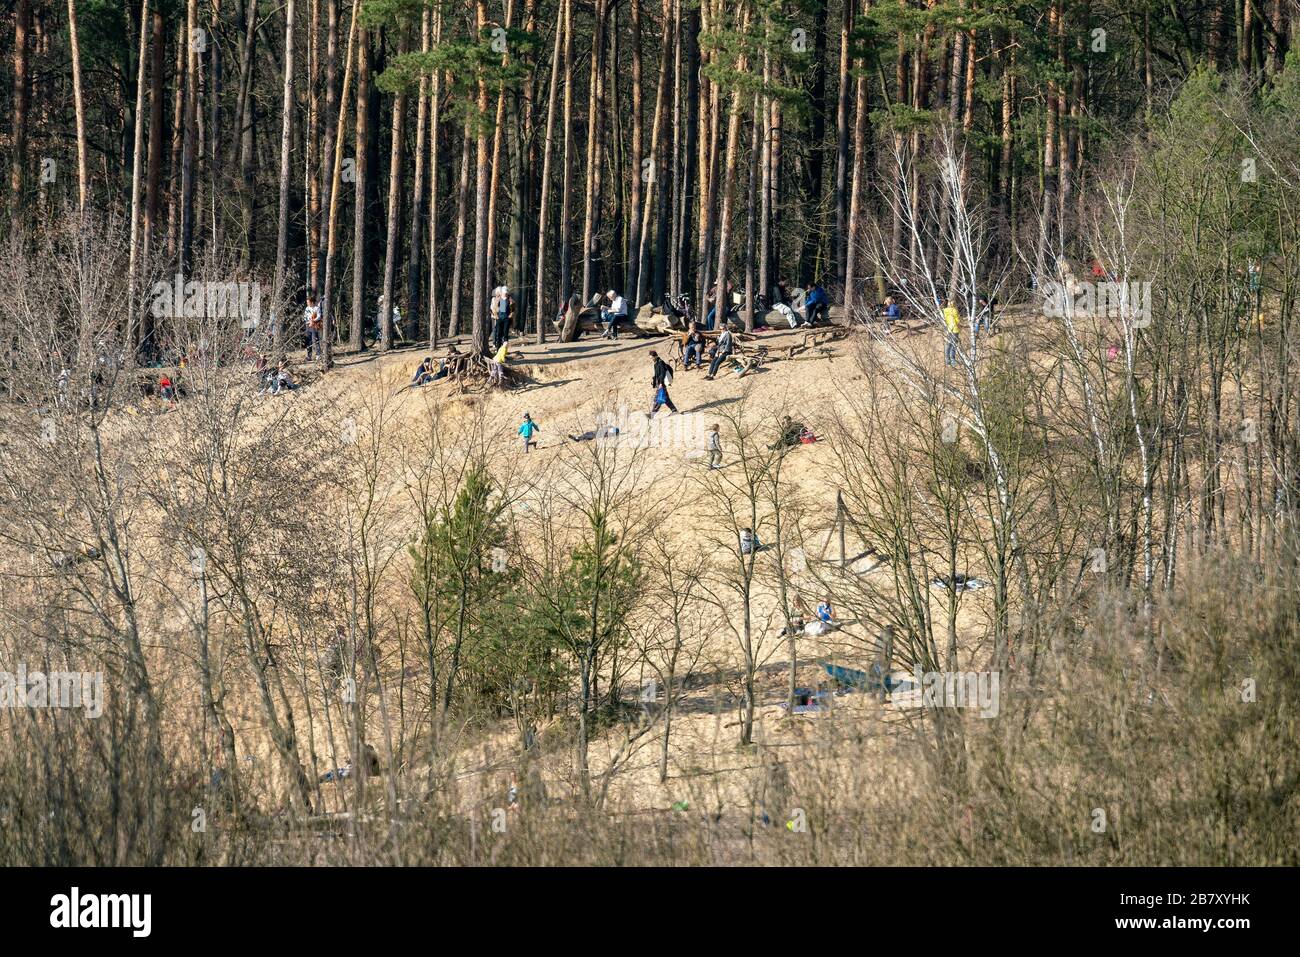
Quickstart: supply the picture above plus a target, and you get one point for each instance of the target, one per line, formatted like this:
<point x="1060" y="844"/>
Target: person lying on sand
<point x="603" y="432"/>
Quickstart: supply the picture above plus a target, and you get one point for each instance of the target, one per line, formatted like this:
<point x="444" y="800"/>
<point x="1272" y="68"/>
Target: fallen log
<point x="588" y="322"/>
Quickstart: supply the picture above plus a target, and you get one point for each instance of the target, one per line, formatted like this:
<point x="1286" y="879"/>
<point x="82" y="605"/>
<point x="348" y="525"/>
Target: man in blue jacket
<point x="817" y="304"/>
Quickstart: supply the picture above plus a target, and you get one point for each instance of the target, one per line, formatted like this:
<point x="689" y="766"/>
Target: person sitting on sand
<point x="791" y="431"/>
<point x="825" y="613"/>
<point x="444" y="366"/>
<point x="167" y="389"/>
<point x="817" y="305"/>
<point x="892" y="313"/>
<point x="789" y="315"/>
<point x="424" y="374"/>
<point x="283" y="378"/>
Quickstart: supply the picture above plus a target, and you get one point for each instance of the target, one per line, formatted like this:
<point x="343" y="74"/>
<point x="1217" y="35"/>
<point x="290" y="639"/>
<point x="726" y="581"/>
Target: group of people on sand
<point x="425" y="373"/>
<point x="695" y="344"/>
<point x="801" y="310"/>
<point x="313" y="325"/>
<point x="272" y="380"/>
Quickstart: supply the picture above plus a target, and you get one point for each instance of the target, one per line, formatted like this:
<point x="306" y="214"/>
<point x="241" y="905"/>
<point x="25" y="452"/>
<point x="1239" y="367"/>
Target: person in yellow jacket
<point x="497" y="365"/>
<point x="952" y="320"/>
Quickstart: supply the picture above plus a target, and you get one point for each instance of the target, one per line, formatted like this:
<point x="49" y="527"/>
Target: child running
<point x="528" y="429"/>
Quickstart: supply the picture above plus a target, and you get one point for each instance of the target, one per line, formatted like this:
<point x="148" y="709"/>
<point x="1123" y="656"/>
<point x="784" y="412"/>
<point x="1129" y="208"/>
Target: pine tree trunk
<point x="435" y="170"/>
<point x="544" y="204"/>
<point x="312" y="182"/>
<point x="631" y="279"/>
<point x="566" y="171"/>
<point x="413" y="269"/>
<point x="22" y="104"/>
<point x="498" y="137"/>
<point x="901" y="73"/>
<point x="591" y="212"/>
<point x="212" y="129"/>
<point x="751" y="209"/>
<point x="479" y="336"/>
<point x="689" y="154"/>
<point x="286" y="177"/>
<point x="328" y="300"/>
<point x="394" y="218"/>
<point x="839" y="241"/>
<point x="765" y="179"/>
<point x="157" y="94"/>
<point x="1047" y="221"/>
<point x="1006" y="155"/>
<point x="521" y="179"/>
<point x="190" y="144"/>
<point x="653" y="211"/>
<point x="177" y="149"/>
<point x="329" y="135"/>
<point x="356" y="337"/>
<point x="708" y="100"/>
<point x="862" y="113"/>
<point x="774" y="186"/>
<point x="458" y="257"/>
<point x="728" y="187"/>
<point x="243" y="145"/>
<point x="137" y="164"/>
<point x="810" y="254"/>
<point x="82" y="172"/>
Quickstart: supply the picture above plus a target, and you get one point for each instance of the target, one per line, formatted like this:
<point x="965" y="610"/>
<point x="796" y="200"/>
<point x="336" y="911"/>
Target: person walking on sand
<point x="713" y="445"/>
<point x="663" y="375"/>
<point x="528" y="429"/>
<point x="663" y="372"/>
<point x="661" y="399"/>
<point x="952" y="323"/>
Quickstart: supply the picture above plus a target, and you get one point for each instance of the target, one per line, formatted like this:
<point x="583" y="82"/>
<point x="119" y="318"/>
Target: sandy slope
<point x="568" y="388"/>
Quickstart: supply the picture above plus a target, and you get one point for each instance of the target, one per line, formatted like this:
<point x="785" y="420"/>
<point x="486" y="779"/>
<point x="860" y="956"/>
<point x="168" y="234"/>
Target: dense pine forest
<point x="999" y="299"/>
<point x="423" y="153"/>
